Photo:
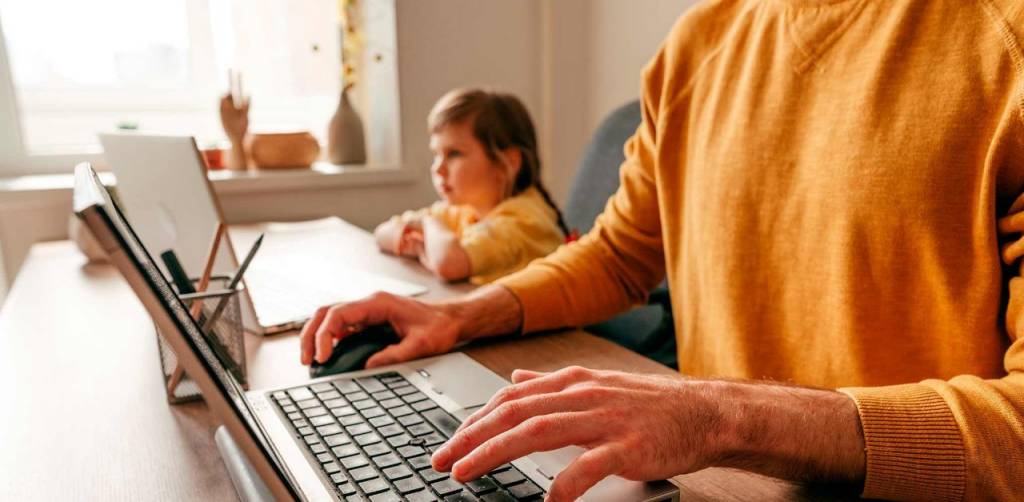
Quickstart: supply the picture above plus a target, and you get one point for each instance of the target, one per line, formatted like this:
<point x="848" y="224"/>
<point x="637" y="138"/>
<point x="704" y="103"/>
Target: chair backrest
<point x="647" y="329"/>
<point x="597" y="176"/>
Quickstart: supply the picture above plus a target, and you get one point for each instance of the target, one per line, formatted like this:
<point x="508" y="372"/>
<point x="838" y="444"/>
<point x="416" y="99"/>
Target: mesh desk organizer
<point x="226" y="336"/>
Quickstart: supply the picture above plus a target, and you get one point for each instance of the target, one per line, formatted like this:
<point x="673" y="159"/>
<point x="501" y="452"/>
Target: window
<point x="75" y="68"/>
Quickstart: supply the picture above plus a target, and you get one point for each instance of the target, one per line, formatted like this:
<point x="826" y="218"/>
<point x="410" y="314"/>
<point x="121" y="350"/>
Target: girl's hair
<point x="499" y="121"/>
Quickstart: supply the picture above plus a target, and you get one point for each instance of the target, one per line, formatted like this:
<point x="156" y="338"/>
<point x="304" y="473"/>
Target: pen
<point x="178" y="275"/>
<point x="235" y="279"/>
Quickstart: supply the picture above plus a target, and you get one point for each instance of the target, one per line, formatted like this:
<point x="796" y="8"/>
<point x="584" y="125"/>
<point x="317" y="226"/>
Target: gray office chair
<point x="648" y="329"/>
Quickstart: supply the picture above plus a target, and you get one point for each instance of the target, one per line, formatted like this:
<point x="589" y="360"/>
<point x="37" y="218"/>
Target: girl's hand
<point x="410" y="242"/>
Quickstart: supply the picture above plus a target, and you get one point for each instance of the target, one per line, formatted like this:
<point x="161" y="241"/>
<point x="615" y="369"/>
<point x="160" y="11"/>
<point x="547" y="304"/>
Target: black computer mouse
<point x="350" y="353"/>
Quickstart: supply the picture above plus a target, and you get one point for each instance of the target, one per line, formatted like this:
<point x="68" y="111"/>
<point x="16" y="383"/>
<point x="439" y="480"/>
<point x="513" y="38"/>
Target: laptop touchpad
<point x="460" y="378"/>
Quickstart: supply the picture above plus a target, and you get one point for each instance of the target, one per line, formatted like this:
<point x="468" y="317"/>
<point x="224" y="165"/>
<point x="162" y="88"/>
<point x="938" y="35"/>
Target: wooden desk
<point x="83" y="414"/>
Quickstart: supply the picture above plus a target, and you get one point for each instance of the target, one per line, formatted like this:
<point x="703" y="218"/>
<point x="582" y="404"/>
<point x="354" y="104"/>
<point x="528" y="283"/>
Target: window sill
<point x="50" y="189"/>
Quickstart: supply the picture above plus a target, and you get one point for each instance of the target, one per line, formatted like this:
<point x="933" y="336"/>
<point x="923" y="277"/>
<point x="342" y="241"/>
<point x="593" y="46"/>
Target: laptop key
<point x="372" y="486"/>
<point x="307" y="403"/>
<point x="382" y="395"/>
<point x="318" y="448"/>
<point x="289" y="408"/>
<point x="431" y="475"/>
<point x="335" y="403"/>
<point x="328" y="430"/>
<point x="420" y="462"/>
<point x="300" y="393"/>
<point x="329" y="395"/>
<point x="364" y="404"/>
<point x="321" y="387"/>
<point x="408" y="485"/>
<point x="524" y="490"/>
<point x="397" y="472"/>
<point x="509" y="477"/>
<point x="363" y="473"/>
<point x="346" y="488"/>
<point x="376" y="411"/>
<point x="295" y="416"/>
<point x="387" y="404"/>
<point x="345" y="450"/>
<point x="446" y="487"/>
<point x="304" y="431"/>
<point x="350" y="420"/>
<point x="279" y="395"/>
<point x="404" y="390"/>
<point x="499" y="496"/>
<point x="409" y="451"/>
<point x="315" y="411"/>
<point x="346" y="386"/>
<point x="357" y="396"/>
<point x="415" y="397"/>
<point x="337" y="439"/>
<point x="401" y="411"/>
<point x="332" y="467"/>
<point x="311" y="438"/>
<point x="420" y="429"/>
<point x="338" y="478"/>
<point x="366" y="439"/>
<point x="385" y="497"/>
<point x="390" y="430"/>
<point x="421" y="496"/>
<point x="399" y="440"/>
<point x="410" y="420"/>
<point x="370" y="384"/>
<point x="381" y="421"/>
<point x="343" y="411"/>
<point x="433" y="439"/>
<point x="423" y="405"/>
<point x="462" y="496"/>
<point x="377" y="449"/>
<point x="388" y="460"/>
<point x="442" y="421"/>
<point x="358" y="429"/>
<point x="482" y="485"/>
<point x="324" y="457"/>
<point x="322" y="420"/>
<point x="354" y="461"/>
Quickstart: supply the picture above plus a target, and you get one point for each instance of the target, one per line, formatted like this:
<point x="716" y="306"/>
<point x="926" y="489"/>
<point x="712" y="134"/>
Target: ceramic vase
<point x="345" y="143"/>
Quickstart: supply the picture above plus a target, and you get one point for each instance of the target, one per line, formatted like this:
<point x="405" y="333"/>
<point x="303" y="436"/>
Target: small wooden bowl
<point x="283" y="150"/>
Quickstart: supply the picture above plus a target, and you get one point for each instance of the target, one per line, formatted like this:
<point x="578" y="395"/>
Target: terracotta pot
<point x="279" y="150"/>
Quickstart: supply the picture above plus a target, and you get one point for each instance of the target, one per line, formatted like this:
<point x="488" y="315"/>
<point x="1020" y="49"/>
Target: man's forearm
<point x="794" y="433"/>
<point x="488" y="311"/>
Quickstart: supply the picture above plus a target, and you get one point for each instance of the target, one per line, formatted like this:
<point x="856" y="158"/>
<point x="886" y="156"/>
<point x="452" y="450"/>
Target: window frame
<point x="16" y="160"/>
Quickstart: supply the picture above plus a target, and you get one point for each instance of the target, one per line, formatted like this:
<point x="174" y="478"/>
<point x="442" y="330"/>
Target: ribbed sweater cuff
<point x="913" y="444"/>
<point x="541" y="311"/>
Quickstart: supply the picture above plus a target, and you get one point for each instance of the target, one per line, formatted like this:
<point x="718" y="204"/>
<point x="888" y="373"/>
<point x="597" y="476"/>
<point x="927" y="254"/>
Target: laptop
<point x="365" y="435"/>
<point x="162" y="185"/>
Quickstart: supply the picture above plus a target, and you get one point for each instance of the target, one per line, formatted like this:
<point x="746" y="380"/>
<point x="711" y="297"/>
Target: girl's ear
<point x="512" y="161"/>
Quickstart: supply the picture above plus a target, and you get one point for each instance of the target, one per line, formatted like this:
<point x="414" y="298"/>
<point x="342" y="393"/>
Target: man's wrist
<point x="789" y="432"/>
<point x="488" y="311"/>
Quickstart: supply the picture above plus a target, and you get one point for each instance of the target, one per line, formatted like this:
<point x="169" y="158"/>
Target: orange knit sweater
<point x="833" y="188"/>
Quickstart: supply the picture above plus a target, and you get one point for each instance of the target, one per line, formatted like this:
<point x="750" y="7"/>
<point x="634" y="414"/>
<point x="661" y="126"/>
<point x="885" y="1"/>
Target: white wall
<point x="597" y="51"/>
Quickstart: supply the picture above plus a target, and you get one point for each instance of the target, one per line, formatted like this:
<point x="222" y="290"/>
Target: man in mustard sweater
<point x="833" y="189"/>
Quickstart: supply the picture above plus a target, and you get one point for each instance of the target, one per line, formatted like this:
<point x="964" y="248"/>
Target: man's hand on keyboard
<point x="424" y="329"/>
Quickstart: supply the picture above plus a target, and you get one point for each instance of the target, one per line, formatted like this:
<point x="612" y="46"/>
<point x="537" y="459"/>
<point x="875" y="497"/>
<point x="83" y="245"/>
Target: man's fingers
<point x="520" y="376"/>
<point x="506" y="417"/>
<point x="541" y="433"/>
<point x="372" y="310"/>
<point x="307" y="338"/>
<point x="544" y="384"/>
<point x="583" y="473"/>
<point x="408" y="348"/>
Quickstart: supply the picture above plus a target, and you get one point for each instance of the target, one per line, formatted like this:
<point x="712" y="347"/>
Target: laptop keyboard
<point x="373" y="437"/>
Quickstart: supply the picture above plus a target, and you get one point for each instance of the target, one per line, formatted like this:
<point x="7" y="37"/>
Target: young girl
<point x="494" y="215"/>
